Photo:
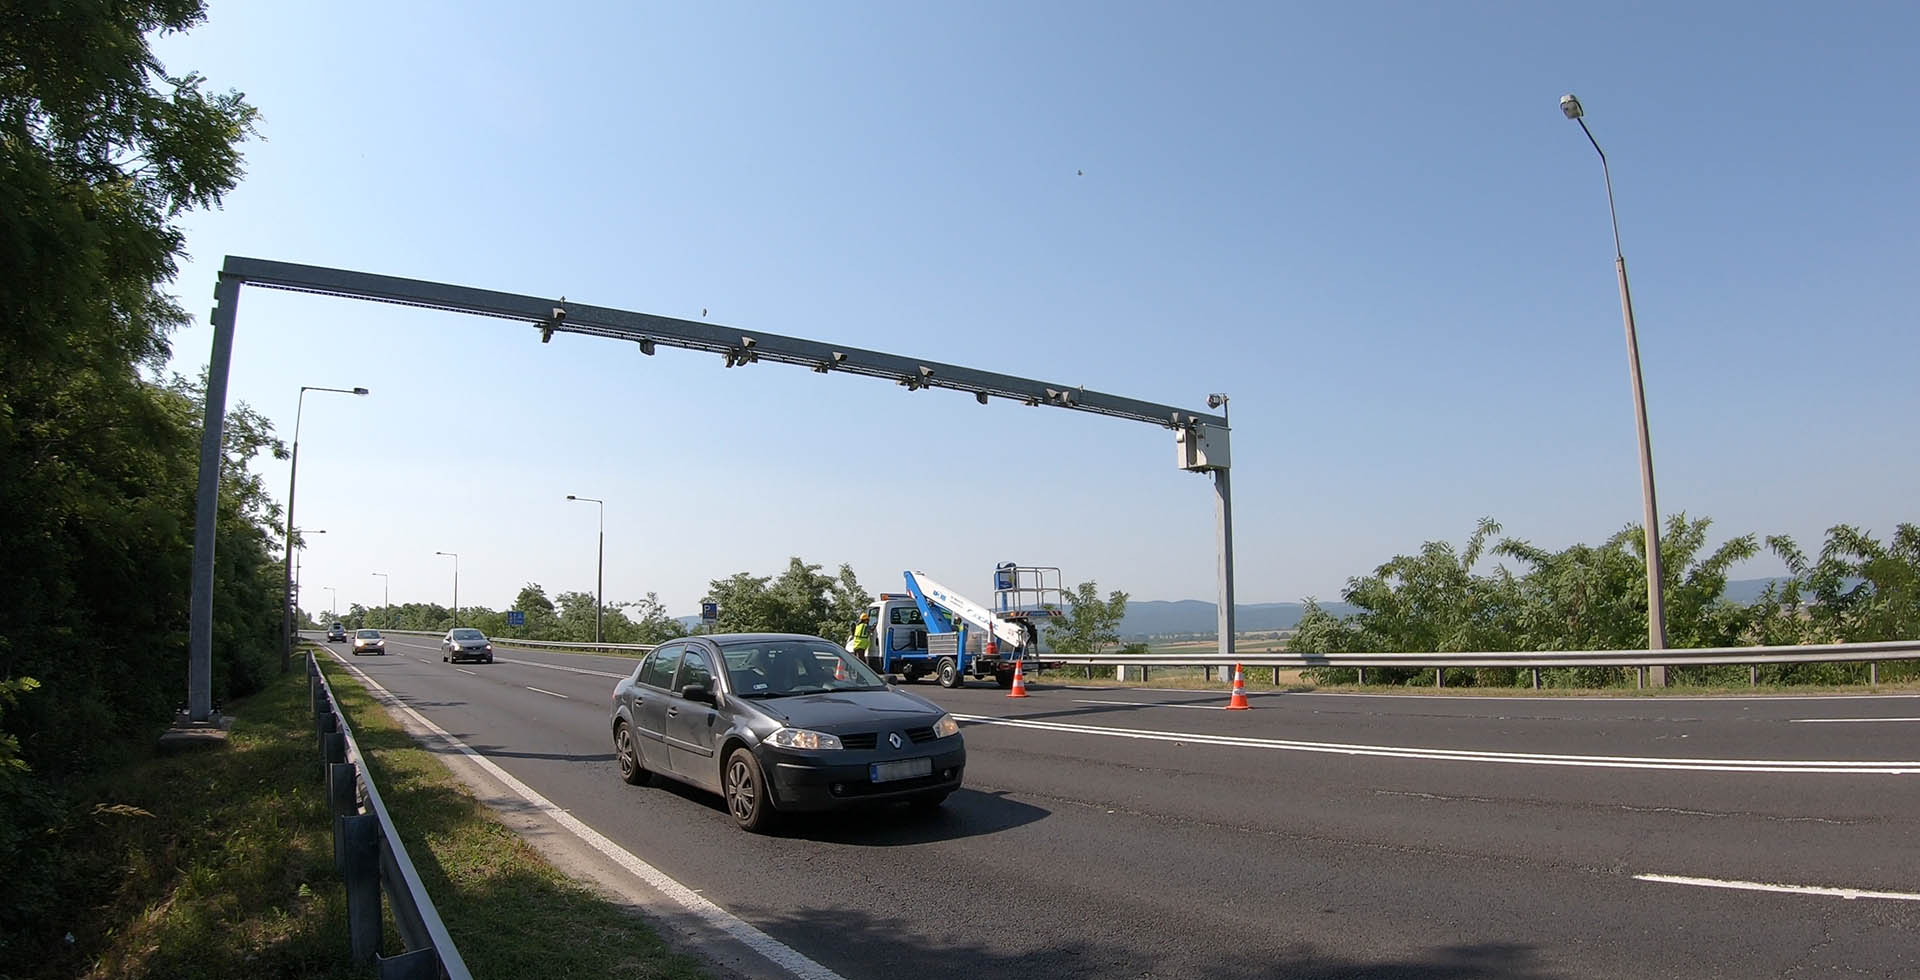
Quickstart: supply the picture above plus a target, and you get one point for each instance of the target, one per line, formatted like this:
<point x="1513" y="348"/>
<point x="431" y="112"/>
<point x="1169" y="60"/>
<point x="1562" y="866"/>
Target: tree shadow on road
<point x="862" y="943"/>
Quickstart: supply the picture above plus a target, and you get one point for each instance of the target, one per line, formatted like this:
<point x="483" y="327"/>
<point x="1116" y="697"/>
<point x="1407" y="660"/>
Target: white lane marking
<point x="1150" y="704"/>
<point x="1759" y="886"/>
<point x="1468" y="755"/>
<point x="1837" y="721"/>
<point x="571" y="670"/>
<point x="464" y="670"/>
<point x="547" y="692"/>
<point x="776" y="952"/>
<point x="423" y="660"/>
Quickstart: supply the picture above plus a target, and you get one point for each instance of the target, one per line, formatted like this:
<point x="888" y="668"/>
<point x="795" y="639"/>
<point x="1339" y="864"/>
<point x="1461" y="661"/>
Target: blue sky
<point x="1369" y="223"/>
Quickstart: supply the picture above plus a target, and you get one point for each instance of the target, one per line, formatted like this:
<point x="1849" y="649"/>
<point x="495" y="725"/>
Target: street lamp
<point x="1656" y="598"/>
<point x="600" y="577"/>
<point x="303" y="532"/>
<point x="386" y="603"/>
<point x="456" y="582"/>
<point x="293" y="475"/>
<point x="334" y="603"/>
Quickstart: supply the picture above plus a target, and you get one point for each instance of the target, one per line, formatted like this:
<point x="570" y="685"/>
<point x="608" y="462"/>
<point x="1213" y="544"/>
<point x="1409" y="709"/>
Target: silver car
<point x="466" y="643"/>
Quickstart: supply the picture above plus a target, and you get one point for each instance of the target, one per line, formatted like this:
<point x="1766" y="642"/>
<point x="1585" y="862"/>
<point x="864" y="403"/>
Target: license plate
<point x="882" y="772"/>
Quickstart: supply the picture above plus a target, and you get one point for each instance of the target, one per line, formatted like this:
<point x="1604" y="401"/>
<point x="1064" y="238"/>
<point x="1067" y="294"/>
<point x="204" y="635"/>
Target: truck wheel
<point x="949" y="673"/>
<point x="1004" y="679"/>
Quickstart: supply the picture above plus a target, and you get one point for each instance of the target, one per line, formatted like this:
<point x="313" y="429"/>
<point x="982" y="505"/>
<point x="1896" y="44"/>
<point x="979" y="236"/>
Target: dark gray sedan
<point x="778" y="722"/>
<point x="466" y="643"/>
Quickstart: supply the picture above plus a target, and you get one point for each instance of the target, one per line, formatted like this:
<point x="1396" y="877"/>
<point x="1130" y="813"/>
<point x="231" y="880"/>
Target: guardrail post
<point x="360" y="846"/>
<point x="1873" y="673"/>
<point x="1536" y="678"/>
<point x="1439" y="677"/>
<point x="1639" y="678"/>
<point x="1206" y="674"/>
<point x="324" y="723"/>
<point x="1276" y="677"/>
<point x="419" y="964"/>
<point x="1362" y="679"/>
<point x="1753" y="675"/>
<point x="333" y="746"/>
<point x="343" y="800"/>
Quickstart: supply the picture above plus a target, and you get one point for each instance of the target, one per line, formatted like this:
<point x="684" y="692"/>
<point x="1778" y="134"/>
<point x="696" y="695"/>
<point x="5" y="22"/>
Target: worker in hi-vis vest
<point x="862" y="636"/>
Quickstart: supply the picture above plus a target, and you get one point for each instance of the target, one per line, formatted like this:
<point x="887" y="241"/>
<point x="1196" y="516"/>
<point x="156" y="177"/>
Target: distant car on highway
<point x="779" y="723"/>
<point x="466" y="643"/>
<point x="336" y="633"/>
<point x="369" y="641"/>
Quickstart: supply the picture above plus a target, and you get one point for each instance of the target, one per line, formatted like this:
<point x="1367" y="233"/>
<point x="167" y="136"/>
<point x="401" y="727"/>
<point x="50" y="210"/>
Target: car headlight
<point x="800" y="738"/>
<point x="945" y="726"/>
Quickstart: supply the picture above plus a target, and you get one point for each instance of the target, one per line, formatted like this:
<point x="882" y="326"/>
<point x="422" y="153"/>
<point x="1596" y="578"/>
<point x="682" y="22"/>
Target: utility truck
<point x="931" y="630"/>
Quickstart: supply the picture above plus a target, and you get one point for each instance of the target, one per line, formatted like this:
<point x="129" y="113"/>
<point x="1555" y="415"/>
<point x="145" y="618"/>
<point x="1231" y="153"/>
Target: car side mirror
<point x="697" y="692"/>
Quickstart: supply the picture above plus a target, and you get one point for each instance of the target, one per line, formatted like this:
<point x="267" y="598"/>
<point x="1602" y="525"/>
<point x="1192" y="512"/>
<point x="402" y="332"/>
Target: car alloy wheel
<point x="746" y="794"/>
<point x="628" y="755"/>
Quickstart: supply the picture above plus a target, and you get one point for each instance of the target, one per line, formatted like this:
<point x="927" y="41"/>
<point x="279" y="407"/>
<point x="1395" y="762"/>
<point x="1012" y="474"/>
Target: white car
<point x="369" y="641"/>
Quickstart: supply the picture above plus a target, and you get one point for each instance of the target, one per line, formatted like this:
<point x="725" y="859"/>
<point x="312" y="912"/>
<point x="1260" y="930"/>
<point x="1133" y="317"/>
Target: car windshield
<point x="368" y="634"/>
<point x="779" y="667"/>
<point x="466" y="634"/>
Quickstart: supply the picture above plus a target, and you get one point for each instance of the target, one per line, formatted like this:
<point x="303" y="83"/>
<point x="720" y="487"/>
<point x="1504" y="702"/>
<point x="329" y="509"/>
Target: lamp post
<point x="456" y="582"/>
<point x="386" y="602"/>
<point x="303" y="532"/>
<point x="600" y="575"/>
<point x="293" y="478"/>
<point x="1656" y="598"/>
<point x="333" y="604"/>
<point x="1223" y="512"/>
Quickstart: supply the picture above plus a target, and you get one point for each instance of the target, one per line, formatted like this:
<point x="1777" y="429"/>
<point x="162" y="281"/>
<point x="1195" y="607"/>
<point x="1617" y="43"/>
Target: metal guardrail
<point x="368" y="853"/>
<point x="1870" y="653"/>
<point x="510" y="641"/>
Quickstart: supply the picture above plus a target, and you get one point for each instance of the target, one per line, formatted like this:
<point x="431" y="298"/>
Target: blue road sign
<point x="709" y="611"/>
<point x="516" y="618"/>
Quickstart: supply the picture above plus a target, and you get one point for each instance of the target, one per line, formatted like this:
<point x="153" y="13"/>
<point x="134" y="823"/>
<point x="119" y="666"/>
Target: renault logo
<point x="893" y="739"/>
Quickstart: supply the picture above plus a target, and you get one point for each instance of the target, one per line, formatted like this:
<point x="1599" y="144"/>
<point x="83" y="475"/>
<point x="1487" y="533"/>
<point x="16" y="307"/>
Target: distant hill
<point x="1154" y="617"/>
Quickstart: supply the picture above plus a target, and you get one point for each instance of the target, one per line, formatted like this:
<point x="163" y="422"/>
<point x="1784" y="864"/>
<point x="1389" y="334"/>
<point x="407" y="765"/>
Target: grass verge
<point x="214" y="864"/>
<point x="509" y="911"/>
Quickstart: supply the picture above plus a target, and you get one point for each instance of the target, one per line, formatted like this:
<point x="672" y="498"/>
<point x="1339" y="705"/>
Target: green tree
<point x="799" y="600"/>
<point x="1090" y="624"/>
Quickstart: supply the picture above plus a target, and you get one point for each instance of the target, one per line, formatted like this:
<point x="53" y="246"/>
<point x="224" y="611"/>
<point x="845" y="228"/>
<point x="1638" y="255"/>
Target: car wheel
<point x="746" y="792"/>
<point x="489" y="658"/>
<point x="909" y="677"/>
<point x="927" y="801"/>
<point x="949" y="672"/>
<point x="628" y="755"/>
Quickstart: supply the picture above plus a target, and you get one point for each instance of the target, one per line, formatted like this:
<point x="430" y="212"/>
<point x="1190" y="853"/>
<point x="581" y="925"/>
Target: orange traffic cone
<point x="1019" y="682"/>
<point x="839" y="670"/>
<point x="1238" y="702"/>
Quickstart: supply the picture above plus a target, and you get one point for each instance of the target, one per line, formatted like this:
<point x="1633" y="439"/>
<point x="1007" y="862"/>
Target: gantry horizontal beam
<point x="738" y="346"/>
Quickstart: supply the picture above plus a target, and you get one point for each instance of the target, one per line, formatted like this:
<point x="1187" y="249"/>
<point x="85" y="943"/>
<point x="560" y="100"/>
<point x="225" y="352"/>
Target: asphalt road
<point x="1145" y="833"/>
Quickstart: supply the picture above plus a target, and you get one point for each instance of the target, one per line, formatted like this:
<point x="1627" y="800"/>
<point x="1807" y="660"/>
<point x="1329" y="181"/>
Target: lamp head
<point x="359" y="391"/>
<point x="1215" y="401"/>
<point x="1571" y="106"/>
<point x="572" y="497"/>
